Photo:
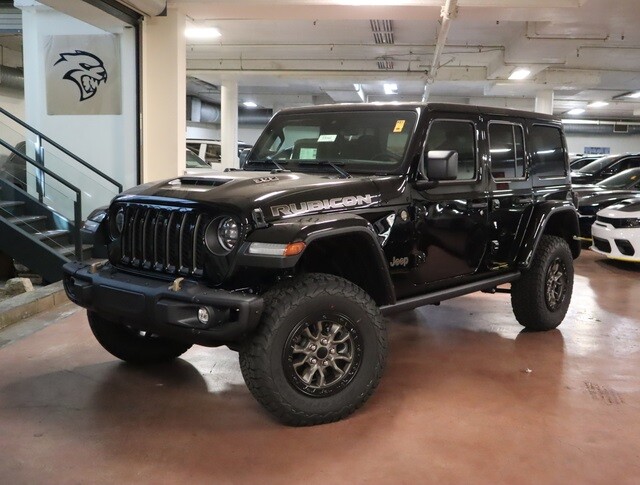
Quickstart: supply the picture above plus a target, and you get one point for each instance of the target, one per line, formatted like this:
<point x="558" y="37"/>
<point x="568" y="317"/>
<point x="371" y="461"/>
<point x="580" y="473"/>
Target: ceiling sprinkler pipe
<point x="447" y="14"/>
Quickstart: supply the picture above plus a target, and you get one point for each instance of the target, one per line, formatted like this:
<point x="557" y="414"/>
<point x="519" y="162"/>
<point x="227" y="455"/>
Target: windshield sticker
<point x="327" y="138"/>
<point x="308" y="153"/>
<point x="399" y="126"/>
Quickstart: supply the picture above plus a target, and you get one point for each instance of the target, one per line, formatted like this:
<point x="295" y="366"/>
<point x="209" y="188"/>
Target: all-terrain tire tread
<point x="278" y="303"/>
<point x="527" y="294"/>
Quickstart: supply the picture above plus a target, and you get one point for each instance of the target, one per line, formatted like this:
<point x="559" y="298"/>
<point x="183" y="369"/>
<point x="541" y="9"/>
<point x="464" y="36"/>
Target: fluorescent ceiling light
<point x="390" y="88"/>
<point x="250" y="104"/>
<point x="202" y="33"/>
<point x="598" y="104"/>
<point x="575" y="111"/>
<point x="579" y="122"/>
<point x="520" y="73"/>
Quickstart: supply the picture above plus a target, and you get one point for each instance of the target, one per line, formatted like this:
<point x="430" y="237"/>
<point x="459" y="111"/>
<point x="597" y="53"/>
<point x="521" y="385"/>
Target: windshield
<point x="194" y="161"/>
<point x="623" y="180"/>
<point x="598" y="164"/>
<point x="357" y="141"/>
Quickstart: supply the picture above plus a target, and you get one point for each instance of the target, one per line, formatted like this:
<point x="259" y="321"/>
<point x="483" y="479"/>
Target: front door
<point x="451" y="218"/>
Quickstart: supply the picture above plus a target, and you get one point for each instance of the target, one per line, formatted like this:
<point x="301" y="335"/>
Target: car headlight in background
<point x="222" y="235"/>
<point x="630" y="223"/>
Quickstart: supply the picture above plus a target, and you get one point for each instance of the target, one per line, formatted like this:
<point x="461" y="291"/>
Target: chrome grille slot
<point x="164" y="240"/>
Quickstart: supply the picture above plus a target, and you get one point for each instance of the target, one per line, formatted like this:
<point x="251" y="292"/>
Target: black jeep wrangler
<point x="341" y="214"/>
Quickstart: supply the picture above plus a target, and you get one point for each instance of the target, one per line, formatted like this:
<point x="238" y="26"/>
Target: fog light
<point x="203" y="315"/>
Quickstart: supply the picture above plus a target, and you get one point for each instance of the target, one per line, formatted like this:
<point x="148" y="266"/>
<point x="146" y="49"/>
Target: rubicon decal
<point x="325" y="204"/>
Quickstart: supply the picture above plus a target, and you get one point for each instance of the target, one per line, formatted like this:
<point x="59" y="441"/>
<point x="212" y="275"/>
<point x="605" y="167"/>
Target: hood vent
<point x="187" y="182"/>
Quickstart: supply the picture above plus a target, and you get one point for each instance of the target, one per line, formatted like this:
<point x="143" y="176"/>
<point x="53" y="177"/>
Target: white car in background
<point x="210" y="150"/>
<point x="616" y="232"/>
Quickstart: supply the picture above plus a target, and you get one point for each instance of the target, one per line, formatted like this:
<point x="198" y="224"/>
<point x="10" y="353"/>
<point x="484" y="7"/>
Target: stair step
<point x="8" y="204"/>
<point x="11" y="207"/>
<point x="51" y="234"/>
<point x="71" y="249"/>
<point x="26" y="220"/>
<point x="54" y="237"/>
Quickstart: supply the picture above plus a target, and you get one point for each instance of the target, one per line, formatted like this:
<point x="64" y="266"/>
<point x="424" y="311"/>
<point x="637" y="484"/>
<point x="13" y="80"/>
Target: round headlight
<point x="228" y="233"/>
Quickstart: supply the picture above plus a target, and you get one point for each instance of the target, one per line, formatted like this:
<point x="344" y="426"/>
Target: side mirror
<point x="244" y="154"/>
<point x="442" y="165"/>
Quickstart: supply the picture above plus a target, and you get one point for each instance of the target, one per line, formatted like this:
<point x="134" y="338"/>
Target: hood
<point x="282" y="194"/>
<point x="623" y="210"/>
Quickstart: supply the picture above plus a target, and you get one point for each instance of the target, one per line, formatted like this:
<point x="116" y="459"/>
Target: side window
<point x="629" y="163"/>
<point x="212" y="154"/>
<point x="458" y="136"/>
<point x="506" y="147"/>
<point x="547" y="151"/>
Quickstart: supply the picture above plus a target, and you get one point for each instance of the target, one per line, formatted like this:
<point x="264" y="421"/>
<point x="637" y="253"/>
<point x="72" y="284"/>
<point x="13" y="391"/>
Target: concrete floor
<point x="467" y="398"/>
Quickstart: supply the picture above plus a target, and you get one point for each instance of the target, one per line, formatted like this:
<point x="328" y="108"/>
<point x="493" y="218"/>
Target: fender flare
<point x="310" y="229"/>
<point x="540" y="218"/>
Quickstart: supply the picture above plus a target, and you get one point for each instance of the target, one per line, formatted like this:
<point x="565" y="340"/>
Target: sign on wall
<point x="597" y="150"/>
<point x="83" y="75"/>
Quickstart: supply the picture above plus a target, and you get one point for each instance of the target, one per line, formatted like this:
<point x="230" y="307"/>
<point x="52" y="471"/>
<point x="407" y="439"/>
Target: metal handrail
<point x="62" y="149"/>
<point x="77" y="205"/>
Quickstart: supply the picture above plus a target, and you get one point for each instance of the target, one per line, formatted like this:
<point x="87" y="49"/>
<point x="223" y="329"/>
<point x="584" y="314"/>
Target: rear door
<point x="510" y="188"/>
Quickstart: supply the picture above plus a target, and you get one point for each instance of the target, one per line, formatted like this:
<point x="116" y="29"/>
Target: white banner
<point x="83" y="75"/>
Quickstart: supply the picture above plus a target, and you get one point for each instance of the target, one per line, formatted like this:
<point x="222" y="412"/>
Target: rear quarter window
<point x="548" y="154"/>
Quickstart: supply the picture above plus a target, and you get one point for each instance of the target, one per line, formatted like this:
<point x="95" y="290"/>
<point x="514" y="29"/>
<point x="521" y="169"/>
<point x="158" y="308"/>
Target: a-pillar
<point x="164" y="96"/>
<point x="544" y="102"/>
<point x="229" y="123"/>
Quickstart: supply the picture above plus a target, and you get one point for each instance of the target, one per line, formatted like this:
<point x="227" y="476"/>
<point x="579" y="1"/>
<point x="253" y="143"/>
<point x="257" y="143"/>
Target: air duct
<point x="202" y="112"/>
<point x="12" y="78"/>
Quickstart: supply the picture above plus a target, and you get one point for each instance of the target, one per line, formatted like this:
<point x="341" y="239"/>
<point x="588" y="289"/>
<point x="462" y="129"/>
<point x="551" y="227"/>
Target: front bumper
<point x="622" y="244"/>
<point x="152" y="305"/>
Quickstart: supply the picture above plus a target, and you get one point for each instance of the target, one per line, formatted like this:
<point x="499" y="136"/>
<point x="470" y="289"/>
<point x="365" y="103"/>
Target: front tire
<point x="129" y="345"/>
<point x="540" y="298"/>
<point x="319" y="351"/>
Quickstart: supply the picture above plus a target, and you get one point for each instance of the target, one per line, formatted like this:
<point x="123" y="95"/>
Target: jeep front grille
<point x="164" y="240"/>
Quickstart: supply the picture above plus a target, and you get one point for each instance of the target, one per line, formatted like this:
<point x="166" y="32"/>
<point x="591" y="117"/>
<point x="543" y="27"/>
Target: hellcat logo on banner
<point x="83" y="75"/>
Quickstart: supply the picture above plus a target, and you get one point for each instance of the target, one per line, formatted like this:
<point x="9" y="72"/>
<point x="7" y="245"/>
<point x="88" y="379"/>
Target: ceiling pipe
<point x="447" y="14"/>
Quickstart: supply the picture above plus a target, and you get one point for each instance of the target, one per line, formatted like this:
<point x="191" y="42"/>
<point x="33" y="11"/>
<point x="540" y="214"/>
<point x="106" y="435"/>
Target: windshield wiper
<point x="279" y="168"/>
<point x="343" y="173"/>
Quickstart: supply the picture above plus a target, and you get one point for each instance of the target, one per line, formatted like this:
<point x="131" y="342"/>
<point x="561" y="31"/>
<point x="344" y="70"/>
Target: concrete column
<point x="544" y="102"/>
<point x="164" y="96"/>
<point x="229" y="124"/>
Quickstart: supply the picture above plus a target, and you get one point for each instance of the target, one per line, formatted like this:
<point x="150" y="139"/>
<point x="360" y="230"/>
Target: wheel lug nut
<point x="313" y="347"/>
<point x="333" y="351"/>
<point x="326" y="362"/>
<point x="314" y="361"/>
<point x="324" y="341"/>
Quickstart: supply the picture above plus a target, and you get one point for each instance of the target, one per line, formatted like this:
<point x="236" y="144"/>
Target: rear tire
<point x="129" y="345"/>
<point x="540" y="298"/>
<point x="318" y="352"/>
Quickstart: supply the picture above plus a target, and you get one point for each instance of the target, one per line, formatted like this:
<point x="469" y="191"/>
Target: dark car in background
<point x="580" y="162"/>
<point x="604" y="167"/>
<point x="593" y="198"/>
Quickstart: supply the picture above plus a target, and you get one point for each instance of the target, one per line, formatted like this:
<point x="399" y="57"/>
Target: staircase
<point x="41" y="212"/>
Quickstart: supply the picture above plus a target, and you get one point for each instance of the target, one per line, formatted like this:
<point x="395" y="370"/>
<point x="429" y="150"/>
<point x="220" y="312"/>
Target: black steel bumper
<point x="152" y="305"/>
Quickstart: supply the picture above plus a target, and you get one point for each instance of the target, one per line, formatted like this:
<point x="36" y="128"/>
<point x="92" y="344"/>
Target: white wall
<point x="618" y="143"/>
<point x="13" y="102"/>
<point x="108" y="142"/>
